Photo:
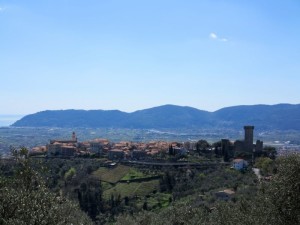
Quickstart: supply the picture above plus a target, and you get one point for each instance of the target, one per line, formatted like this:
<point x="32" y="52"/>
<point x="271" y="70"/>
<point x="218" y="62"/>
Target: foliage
<point x="270" y="151"/>
<point x="188" y="194"/>
<point x="90" y="197"/>
<point x="265" y="164"/>
<point x="276" y="203"/>
<point x="70" y="174"/>
<point x="202" y="145"/>
<point x="25" y="199"/>
<point x="173" y="215"/>
<point x="283" y="191"/>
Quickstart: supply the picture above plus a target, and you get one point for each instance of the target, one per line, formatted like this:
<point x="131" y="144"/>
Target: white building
<point x="239" y="164"/>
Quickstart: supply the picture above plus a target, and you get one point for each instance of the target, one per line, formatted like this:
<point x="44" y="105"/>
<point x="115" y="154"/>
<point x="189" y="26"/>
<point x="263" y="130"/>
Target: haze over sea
<point x="6" y="120"/>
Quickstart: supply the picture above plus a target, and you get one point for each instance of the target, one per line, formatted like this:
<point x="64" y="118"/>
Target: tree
<point x="283" y="191"/>
<point x="171" y="150"/>
<point x="276" y="203"/>
<point x="265" y="164"/>
<point x="217" y="146"/>
<point x="90" y="197"/>
<point x="145" y="205"/>
<point x="202" y="146"/>
<point x="25" y="199"/>
<point x="226" y="156"/>
<point x="270" y="151"/>
<point x="70" y="174"/>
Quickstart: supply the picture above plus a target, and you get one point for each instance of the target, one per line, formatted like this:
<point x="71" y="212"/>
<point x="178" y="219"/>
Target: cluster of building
<point x="137" y="150"/>
<point x="103" y="147"/>
<point x="140" y="151"/>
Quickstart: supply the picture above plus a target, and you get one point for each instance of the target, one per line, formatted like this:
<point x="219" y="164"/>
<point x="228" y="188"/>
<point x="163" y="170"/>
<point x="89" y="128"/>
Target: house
<point x="68" y="151"/>
<point x="40" y="150"/>
<point x="138" y="154"/>
<point x="54" y="149"/>
<point x="96" y="147"/>
<point x="116" y="154"/>
<point x="63" y="148"/>
<point x="239" y="164"/>
<point x="225" y="195"/>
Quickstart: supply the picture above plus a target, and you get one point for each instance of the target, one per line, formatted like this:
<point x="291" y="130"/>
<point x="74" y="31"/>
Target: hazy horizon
<point x="8" y="116"/>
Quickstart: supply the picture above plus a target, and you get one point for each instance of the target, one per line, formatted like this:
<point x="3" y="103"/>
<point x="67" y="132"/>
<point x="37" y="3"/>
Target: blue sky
<point x="133" y="54"/>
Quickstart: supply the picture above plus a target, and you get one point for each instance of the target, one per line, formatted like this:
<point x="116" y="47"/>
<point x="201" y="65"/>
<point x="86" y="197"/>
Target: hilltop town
<point x="162" y="151"/>
<point x="102" y="147"/>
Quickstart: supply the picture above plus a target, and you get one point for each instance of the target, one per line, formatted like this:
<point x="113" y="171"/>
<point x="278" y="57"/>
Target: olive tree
<point x="25" y="199"/>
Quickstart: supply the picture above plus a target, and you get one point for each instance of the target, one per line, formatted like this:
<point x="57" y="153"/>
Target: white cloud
<point x="1" y="9"/>
<point x="214" y="36"/>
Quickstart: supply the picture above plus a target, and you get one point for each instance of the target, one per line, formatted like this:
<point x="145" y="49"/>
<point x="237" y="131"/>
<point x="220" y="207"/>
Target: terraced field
<point x="114" y="182"/>
<point x="135" y="174"/>
<point x="111" y="175"/>
<point x="132" y="189"/>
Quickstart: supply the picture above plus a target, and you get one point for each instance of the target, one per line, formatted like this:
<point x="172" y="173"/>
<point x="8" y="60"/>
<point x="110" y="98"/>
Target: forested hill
<point x="281" y="117"/>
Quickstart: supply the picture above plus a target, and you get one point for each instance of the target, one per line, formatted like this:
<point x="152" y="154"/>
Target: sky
<point x="133" y="54"/>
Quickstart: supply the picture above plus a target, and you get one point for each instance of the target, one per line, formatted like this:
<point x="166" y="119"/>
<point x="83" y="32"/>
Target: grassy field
<point x="132" y="189"/>
<point x="111" y="175"/>
<point x="100" y="172"/>
<point x="134" y="174"/>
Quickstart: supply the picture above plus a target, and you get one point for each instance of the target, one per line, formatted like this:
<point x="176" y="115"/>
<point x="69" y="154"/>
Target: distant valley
<point x="266" y="117"/>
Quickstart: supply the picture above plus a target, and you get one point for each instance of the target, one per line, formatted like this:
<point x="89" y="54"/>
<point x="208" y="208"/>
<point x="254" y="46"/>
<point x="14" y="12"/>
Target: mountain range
<point x="268" y="117"/>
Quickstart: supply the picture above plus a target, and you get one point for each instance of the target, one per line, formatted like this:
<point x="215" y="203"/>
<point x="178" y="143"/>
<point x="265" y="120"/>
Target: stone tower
<point x="74" y="138"/>
<point x="249" y="137"/>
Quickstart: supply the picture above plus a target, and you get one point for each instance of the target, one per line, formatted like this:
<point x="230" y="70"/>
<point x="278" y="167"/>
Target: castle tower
<point x="249" y="137"/>
<point x="74" y="137"/>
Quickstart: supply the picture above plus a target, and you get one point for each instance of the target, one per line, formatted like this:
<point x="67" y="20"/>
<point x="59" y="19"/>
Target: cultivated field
<point x="111" y="175"/>
<point x="132" y="189"/>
